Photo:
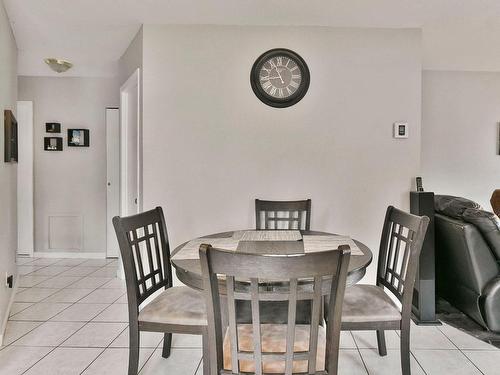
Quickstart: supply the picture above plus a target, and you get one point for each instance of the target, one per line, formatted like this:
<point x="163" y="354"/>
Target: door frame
<point x="133" y="80"/>
<point x="25" y="179"/>
<point x="112" y="249"/>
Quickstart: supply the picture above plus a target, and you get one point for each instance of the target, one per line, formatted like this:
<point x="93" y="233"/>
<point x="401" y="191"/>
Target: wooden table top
<point x="189" y="271"/>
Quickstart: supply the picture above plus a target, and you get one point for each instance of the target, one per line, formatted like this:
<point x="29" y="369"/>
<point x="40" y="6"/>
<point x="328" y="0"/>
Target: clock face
<point x="280" y="78"/>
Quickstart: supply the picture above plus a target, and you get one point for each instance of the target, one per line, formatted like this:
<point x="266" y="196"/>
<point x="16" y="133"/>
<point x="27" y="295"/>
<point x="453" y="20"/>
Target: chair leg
<point x="382" y="349"/>
<point x="405" y="351"/>
<point x="133" y="352"/>
<point x="167" y="344"/>
<point x="206" y="354"/>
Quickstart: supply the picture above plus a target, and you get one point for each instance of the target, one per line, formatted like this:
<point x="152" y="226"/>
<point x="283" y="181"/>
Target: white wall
<point x="8" y="171"/>
<point x="211" y="147"/>
<point x="71" y="182"/>
<point x="461" y="112"/>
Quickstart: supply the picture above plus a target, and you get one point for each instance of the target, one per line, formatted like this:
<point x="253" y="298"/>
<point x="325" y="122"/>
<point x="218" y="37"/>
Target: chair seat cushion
<point x="273" y="338"/>
<point x="368" y="303"/>
<point x="177" y="305"/>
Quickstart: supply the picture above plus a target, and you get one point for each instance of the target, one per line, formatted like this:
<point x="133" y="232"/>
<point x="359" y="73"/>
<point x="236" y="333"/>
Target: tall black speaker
<point x="424" y="295"/>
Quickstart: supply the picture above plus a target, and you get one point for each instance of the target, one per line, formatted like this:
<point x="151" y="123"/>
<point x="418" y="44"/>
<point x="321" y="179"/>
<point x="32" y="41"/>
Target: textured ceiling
<point x="457" y="34"/>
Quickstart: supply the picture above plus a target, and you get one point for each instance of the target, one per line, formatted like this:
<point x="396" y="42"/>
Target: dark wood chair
<point x="283" y="214"/>
<point x="145" y="252"/>
<point x="274" y="348"/>
<point x="368" y="307"/>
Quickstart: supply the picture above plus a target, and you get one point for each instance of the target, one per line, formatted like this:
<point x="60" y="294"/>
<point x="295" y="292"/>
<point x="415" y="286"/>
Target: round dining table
<point x="188" y="271"/>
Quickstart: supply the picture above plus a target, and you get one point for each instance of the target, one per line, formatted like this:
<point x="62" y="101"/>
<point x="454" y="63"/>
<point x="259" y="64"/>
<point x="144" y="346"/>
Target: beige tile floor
<point x="70" y="317"/>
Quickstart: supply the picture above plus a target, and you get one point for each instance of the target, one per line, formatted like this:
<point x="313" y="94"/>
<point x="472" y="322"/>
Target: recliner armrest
<point x="489" y="303"/>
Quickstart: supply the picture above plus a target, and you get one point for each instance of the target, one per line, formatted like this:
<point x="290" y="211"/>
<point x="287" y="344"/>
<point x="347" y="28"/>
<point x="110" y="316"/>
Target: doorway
<point x="130" y="166"/>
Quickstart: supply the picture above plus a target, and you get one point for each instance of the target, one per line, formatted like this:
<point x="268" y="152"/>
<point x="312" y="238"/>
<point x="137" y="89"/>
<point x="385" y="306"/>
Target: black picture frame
<point x="78" y="138"/>
<point x="53" y="144"/>
<point x="10" y="137"/>
<point x="52" y="127"/>
<point x="263" y="95"/>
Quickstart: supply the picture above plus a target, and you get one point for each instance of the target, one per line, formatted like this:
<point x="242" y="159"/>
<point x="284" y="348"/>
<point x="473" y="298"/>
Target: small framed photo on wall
<point x="52" y="127"/>
<point x="53" y="144"/>
<point x="78" y="137"/>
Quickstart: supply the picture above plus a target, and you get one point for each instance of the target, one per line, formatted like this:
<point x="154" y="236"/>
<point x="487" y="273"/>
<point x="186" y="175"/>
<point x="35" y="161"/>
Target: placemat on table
<point x="267" y="235"/>
<point x="329" y="242"/>
<point x="191" y="249"/>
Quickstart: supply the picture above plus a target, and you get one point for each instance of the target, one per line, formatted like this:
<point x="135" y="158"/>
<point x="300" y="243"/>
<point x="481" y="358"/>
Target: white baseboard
<point x="69" y="254"/>
<point x="7" y="313"/>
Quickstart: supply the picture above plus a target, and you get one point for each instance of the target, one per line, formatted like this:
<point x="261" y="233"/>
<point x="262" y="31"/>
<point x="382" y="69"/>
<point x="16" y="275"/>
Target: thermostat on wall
<point x="400" y="130"/>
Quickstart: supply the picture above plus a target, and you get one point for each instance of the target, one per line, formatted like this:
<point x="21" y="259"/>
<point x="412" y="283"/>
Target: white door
<point x="130" y="166"/>
<point x="25" y="215"/>
<point x="113" y="178"/>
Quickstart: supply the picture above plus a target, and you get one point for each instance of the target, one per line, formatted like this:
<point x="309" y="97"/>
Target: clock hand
<point x="281" y="78"/>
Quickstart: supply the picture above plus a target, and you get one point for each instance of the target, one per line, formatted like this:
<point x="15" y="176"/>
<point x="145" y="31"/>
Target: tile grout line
<point x="460" y="350"/>
<point x="359" y="353"/>
<point x="44" y="321"/>
<point x="85" y="323"/>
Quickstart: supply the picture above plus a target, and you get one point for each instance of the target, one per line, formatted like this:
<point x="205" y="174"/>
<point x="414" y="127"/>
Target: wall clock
<point x="280" y="78"/>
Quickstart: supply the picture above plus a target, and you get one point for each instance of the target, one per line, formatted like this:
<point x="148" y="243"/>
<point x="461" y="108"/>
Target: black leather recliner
<point x="468" y="259"/>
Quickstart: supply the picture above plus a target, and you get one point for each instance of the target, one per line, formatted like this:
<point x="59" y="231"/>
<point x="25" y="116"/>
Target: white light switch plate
<point x="400" y="130"/>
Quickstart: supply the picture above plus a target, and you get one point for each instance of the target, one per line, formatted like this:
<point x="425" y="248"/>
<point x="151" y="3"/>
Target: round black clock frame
<point x="271" y="100"/>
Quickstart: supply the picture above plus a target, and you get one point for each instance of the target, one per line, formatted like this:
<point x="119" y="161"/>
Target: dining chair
<point x="259" y="348"/>
<point x="283" y="214"/>
<point x="145" y="253"/>
<point x="369" y="307"/>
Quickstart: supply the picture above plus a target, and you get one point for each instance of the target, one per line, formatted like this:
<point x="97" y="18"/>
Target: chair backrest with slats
<point x="284" y="215"/>
<point x="301" y="277"/>
<point x="402" y="238"/>
<point x="145" y="254"/>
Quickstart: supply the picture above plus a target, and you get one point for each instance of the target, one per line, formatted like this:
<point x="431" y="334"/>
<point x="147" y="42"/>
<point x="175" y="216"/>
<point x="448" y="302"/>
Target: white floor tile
<point x="117" y="312"/>
<point x="80" y="312"/>
<point x="487" y="361"/>
<point x="70" y="262"/>
<point x="44" y="261"/>
<point x="115" y="283"/>
<point x="89" y="283"/>
<point x="14" y="360"/>
<point x="58" y="282"/>
<point x="50" y="271"/>
<point x="368" y="339"/>
<point x="98" y="335"/>
<point x="68" y="295"/>
<point x="114" y="361"/>
<point x="30" y="280"/>
<point x="181" y="361"/>
<point x="15" y="330"/>
<point x="389" y="364"/>
<point x="147" y="340"/>
<point x="18" y="307"/>
<point x="49" y="334"/>
<point x="40" y="311"/>
<point x="350" y="363"/>
<point x="24" y="260"/>
<point x="443" y="362"/>
<point x="27" y="269"/>
<point x="186" y="341"/>
<point x="463" y="340"/>
<point x="422" y="337"/>
<point x="34" y="294"/>
<point x="347" y="340"/>
<point x="96" y="262"/>
<point x="79" y="271"/>
<point x="105" y="272"/>
<point x="103" y="296"/>
<point x="65" y="361"/>
<point x="123" y="298"/>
